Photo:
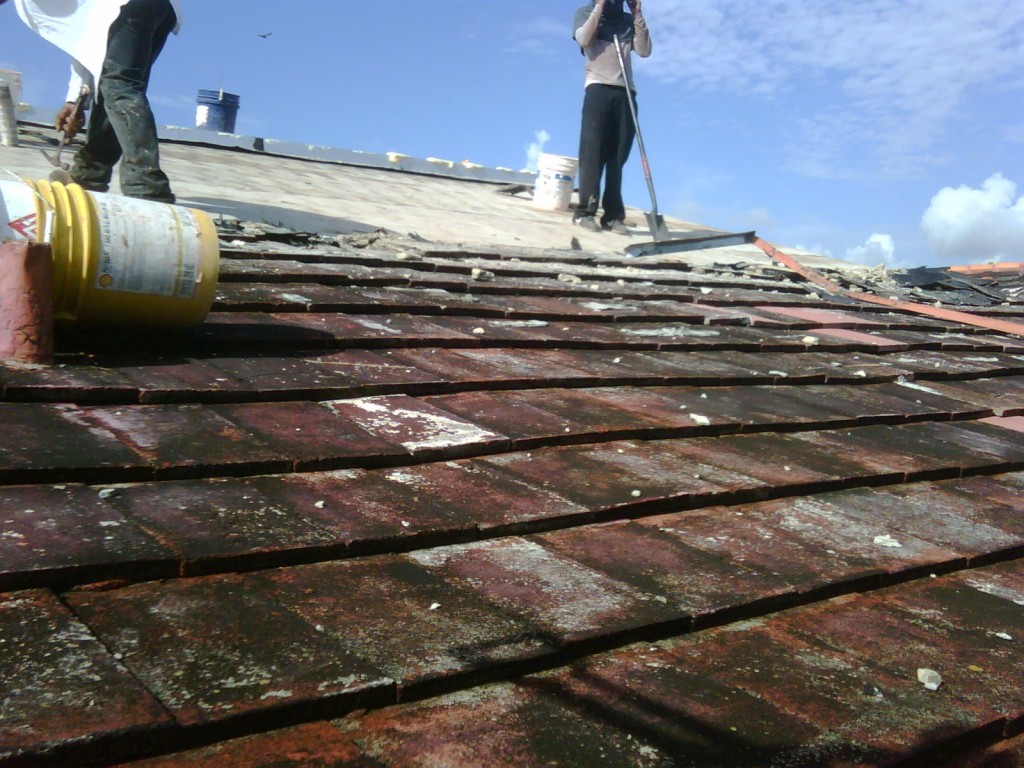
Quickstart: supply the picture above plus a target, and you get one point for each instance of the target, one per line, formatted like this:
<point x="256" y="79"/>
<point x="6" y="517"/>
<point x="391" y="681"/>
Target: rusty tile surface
<point x="823" y="317"/>
<point x="406" y="620"/>
<point x="899" y="451"/>
<point x="364" y="510"/>
<point x="857" y="714"/>
<point x="220" y="523"/>
<point x="183" y="439"/>
<point x="415" y="426"/>
<point x="178" y="378"/>
<point x="804" y="544"/>
<point x="698" y="719"/>
<point x="900" y="640"/>
<point x="528" y="726"/>
<point x="623" y="474"/>
<point x="874" y="339"/>
<point x="561" y="600"/>
<point x="927" y="512"/>
<point x="72" y="375"/>
<point x="221" y="647"/>
<point x="59" y="441"/>
<point x="316" y="745"/>
<point x="59" y="683"/>
<point x="509" y="413"/>
<point x="367" y="368"/>
<point x="263" y="375"/>
<point x="311" y="435"/>
<point x="62" y="534"/>
<point x="690" y="583"/>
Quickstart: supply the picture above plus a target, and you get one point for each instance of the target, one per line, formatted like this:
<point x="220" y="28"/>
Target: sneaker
<point x="618" y="227"/>
<point x="589" y="222"/>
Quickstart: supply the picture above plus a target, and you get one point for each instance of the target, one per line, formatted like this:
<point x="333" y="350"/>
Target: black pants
<point x="606" y="139"/>
<point x="121" y="123"/>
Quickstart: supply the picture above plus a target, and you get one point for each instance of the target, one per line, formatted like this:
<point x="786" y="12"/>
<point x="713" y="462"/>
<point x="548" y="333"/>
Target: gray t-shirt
<point x="602" y="60"/>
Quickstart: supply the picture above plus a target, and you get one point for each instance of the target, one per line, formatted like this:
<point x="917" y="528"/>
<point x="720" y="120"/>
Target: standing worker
<point x="113" y="44"/>
<point x="606" y="137"/>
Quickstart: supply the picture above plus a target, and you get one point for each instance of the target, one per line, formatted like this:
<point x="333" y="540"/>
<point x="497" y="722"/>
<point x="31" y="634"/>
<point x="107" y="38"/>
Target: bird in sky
<point x="264" y="35"/>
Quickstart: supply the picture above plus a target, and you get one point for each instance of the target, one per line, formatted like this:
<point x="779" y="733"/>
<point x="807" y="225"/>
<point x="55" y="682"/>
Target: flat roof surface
<point x="432" y="486"/>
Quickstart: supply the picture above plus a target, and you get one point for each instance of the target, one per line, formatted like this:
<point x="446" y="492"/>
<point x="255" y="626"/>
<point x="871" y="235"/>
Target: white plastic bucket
<point x="556" y="175"/>
<point x="13" y="79"/>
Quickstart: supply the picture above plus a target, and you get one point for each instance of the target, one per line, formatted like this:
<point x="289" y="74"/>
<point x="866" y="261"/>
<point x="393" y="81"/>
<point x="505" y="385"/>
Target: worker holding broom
<point x="113" y="44"/>
<point x="608" y="131"/>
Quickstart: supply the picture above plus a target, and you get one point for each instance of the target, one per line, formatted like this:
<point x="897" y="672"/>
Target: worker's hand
<point x="70" y="120"/>
<point x="634" y="6"/>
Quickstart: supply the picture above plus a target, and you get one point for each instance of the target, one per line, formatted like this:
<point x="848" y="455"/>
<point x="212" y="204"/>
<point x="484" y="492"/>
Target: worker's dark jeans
<point x="606" y="139"/>
<point x="121" y="122"/>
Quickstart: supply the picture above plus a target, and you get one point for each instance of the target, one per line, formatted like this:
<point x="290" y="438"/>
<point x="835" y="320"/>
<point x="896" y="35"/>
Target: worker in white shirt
<point x="113" y="44"/>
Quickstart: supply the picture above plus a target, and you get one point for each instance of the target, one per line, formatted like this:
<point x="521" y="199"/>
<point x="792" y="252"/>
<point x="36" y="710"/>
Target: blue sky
<point x="877" y="131"/>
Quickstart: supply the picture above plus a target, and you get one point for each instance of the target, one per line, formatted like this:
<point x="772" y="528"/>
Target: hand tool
<point x="655" y="221"/>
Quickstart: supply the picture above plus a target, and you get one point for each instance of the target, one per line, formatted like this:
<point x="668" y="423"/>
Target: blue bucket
<point x="216" y="111"/>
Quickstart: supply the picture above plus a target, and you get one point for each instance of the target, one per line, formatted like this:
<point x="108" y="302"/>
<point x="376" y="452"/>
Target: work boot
<point x="588" y="222"/>
<point x="618" y="227"/>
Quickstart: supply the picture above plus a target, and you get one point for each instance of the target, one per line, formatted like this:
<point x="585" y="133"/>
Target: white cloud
<point x="535" y="36"/>
<point x="533" y="151"/>
<point x="879" y="249"/>
<point x="967" y="225"/>
<point x="879" y="80"/>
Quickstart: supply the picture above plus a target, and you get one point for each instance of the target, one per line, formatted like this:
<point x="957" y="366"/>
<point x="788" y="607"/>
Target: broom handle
<point x="636" y="125"/>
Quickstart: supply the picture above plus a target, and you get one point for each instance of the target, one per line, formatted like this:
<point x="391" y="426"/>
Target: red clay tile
<point x="696" y="718"/>
<point x="971" y="626"/>
<point x="185" y="439"/>
<point x="903" y="451"/>
<point x="417" y="427"/>
<point x="508" y="413"/>
<point x="687" y="581"/>
<point x="257" y="331"/>
<point x="932" y="512"/>
<point x="870" y="339"/>
<point x="216" y="524"/>
<point x="72" y="377"/>
<point x="309" y="435"/>
<point x="806" y="542"/>
<point x="767" y="461"/>
<point x="406" y="620"/>
<point x="61" y="686"/>
<point x="824" y="318"/>
<point x="1005" y="580"/>
<point x="532" y="726"/>
<point x="619" y="475"/>
<point x="60" y="443"/>
<point x="70" y="535"/>
<point x="899" y="642"/>
<point x="560" y="600"/>
<point x="268" y="375"/>
<point x="1015" y="423"/>
<point x="368" y="511"/>
<point x="179" y="379"/>
<point x="1003" y="395"/>
<point x="368" y="369"/>
<point x="315" y="745"/>
<point x="859" y="715"/>
<point x="219" y="648"/>
<point x="587" y="411"/>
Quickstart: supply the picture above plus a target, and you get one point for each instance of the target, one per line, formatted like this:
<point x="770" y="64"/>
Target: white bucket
<point x="555" y="180"/>
<point x="13" y="79"/>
